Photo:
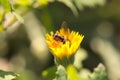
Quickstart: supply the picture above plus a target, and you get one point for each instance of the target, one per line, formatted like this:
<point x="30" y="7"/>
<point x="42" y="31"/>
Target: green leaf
<point x="1" y="28"/>
<point x="43" y="2"/>
<point x="23" y="2"/>
<point x="61" y="73"/>
<point x="70" y="4"/>
<point x="49" y="74"/>
<point x="72" y="73"/>
<point x="1" y="16"/>
<point x="99" y="73"/>
<point x="84" y="73"/>
<point x="80" y="4"/>
<point x="8" y="75"/>
<point x="20" y="19"/>
<point x="6" y="5"/>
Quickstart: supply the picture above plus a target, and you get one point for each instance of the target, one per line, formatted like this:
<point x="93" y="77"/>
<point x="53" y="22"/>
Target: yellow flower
<point x="64" y="43"/>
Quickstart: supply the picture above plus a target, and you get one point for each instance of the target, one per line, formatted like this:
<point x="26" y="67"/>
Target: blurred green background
<point x="22" y="33"/>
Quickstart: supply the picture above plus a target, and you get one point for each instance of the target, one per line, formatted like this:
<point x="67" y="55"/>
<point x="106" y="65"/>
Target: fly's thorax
<point x="60" y="38"/>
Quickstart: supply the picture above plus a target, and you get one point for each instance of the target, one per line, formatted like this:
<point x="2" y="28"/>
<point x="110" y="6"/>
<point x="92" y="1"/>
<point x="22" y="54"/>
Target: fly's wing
<point x="64" y="25"/>
<point x="66" y="29"/>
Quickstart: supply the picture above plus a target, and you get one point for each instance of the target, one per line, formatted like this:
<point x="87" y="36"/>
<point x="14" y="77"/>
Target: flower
<point x="63" y="43"/>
